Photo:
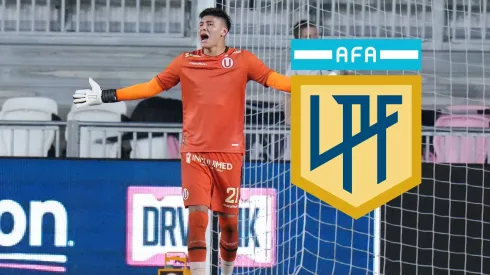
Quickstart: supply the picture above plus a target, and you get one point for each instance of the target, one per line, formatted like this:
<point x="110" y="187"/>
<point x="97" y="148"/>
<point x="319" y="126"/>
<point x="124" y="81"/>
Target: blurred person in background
<point x="303" y="29"/>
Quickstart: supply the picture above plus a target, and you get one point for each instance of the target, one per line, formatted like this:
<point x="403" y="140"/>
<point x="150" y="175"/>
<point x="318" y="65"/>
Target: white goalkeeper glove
<point x="86" y="97"/>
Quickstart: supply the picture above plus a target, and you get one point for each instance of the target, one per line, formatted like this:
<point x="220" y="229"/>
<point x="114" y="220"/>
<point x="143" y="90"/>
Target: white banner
<point x="157" y="224"/>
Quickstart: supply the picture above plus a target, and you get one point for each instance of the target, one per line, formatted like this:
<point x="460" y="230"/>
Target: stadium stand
<point x="460" y="148"/>
<point x="165" y="147"/>
<point x="170" y="19"/>
<point x="28" y="141"/>
<point x="158" y="145"/>
<point x="92" y="143"/>
<point x="467" y="109"/>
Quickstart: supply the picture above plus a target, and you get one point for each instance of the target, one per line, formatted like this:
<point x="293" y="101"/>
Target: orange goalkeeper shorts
<point x="212" y="180"/>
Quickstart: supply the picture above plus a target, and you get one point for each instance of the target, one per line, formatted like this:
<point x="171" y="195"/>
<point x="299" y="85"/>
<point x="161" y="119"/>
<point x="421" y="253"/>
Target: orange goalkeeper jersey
<point x="213" y="97"/>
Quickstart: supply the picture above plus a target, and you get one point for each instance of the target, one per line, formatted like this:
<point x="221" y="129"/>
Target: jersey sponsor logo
<point x="197" y="63"/>
<point x="24" y="231"/>
<point x="356" y="146"/>
<point x="157" y="224"/>
<point x="191" y="55"/>
<point x="227" y="62"/>
<point x="217" y="165"/>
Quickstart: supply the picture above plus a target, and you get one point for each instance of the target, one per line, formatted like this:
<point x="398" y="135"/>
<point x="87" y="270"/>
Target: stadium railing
<point x="438" y="22"/>
<point x="85" y="16"/>
<point x="136" y="140"/>
<point x="125" y="140"/>
<point x="156" y="140"/>
<point x="113" y="22"/>
<point x="456" y="145"/>
<point x="114" y="138"/>
<point x="31" y="138"/>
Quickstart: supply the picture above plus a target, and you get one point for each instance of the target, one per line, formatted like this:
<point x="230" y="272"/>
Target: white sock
<point x="197" y="268"/>
<point x="227" y="267"/>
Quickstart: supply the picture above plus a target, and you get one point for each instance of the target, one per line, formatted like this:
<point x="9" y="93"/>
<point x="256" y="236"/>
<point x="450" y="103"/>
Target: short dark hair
<point x="217" y="13"/>
<point x="302" y="24"/>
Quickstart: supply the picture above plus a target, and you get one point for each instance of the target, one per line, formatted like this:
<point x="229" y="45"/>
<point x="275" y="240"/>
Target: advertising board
<point x="157" y="224"/>
<point x="100" y="217"/>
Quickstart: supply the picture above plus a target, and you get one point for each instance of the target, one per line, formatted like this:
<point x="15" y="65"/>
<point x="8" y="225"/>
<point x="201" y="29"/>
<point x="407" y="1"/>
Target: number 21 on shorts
<point x="233" y="195"/>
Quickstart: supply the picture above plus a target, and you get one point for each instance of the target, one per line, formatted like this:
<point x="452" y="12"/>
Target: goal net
<point x="442" y="226"/>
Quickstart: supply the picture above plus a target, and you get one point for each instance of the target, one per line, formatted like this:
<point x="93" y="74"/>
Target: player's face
<point x="212" y="30"/>
<point x="310" y="32"/>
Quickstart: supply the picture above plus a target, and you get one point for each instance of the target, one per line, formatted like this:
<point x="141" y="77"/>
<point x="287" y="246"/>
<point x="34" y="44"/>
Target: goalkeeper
<point x="213" y="81"/>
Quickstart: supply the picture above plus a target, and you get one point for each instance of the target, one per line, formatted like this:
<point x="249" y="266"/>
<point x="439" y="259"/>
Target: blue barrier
<point x="83" y="217"/>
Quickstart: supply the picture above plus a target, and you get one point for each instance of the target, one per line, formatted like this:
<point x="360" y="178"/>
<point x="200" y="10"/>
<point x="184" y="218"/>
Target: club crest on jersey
<point x="185" y="193"/>
<point x="227" y="62"/>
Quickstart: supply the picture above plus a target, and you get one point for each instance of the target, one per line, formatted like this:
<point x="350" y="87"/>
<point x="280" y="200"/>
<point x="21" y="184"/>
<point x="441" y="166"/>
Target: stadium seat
<point x="163" y="145"/>
<point x="467" y="108"/>
<point x="91" y="141"/>
<point x="461" y="148"/>
<point x="166" y="147"/>
<point x="27" y="142"/>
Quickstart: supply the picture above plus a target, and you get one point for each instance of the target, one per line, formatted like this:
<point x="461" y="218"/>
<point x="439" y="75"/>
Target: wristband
<point x="109" y="96"/>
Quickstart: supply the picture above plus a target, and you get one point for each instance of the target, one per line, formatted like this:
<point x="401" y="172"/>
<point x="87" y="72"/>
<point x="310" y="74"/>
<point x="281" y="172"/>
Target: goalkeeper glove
<point x="94" y="96"/>
<point x="86" y="97"/>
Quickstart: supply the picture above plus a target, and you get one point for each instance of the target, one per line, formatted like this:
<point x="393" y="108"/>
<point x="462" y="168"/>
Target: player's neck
<point x="214" y="51"/>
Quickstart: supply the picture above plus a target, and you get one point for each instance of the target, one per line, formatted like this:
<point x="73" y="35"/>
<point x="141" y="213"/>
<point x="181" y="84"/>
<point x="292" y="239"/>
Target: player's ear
<point x="224" y="32"/>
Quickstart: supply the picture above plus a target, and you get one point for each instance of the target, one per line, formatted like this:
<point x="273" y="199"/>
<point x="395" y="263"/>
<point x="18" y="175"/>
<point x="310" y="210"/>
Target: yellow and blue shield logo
<point x="356" y="140"/>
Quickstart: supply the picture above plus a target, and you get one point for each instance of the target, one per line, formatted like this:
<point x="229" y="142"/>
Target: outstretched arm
<point x="259" y="72"/>
<point x="162" y="82"/>
<point x="279" y="82"/>
<point x="138" y="91"/>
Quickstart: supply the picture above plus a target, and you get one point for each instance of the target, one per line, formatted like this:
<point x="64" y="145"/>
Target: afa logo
<point x="356" y="139"/>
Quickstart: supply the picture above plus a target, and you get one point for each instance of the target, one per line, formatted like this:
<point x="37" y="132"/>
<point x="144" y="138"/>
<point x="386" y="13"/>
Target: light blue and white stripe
<point x="337" y="54"/>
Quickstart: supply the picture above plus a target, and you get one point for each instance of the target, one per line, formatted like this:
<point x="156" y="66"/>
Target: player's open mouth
<point x="204" y="37"/>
